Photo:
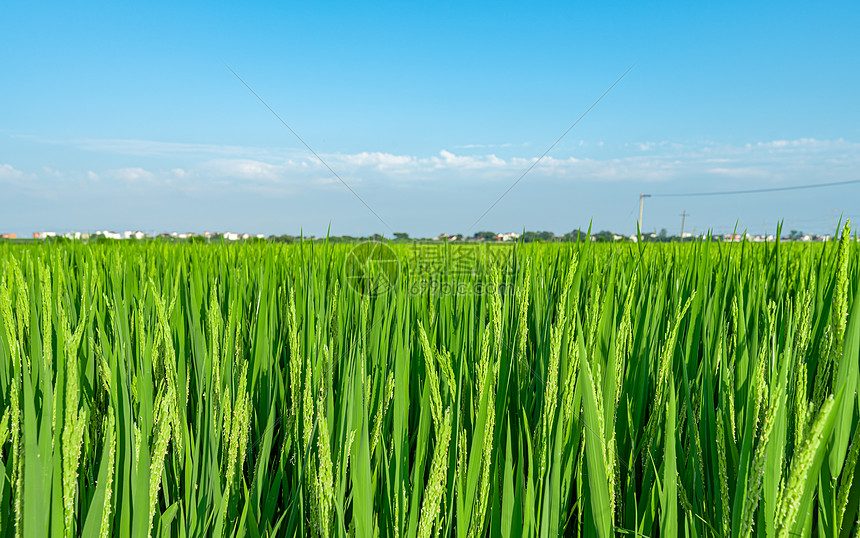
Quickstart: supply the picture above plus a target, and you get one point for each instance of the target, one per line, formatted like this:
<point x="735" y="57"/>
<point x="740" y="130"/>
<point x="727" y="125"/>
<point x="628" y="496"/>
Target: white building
<point x="76" y="236"/>
<point x="108" y="234"/>
<point x="509" y="236"/>
<point x="447" y="237"/>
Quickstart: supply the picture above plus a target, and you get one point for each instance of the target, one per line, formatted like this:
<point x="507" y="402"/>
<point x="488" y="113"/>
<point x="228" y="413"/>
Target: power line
<point x="744" y="191"/>
<point x="335" y="174"/>
<point x="538" y="160"/>
<point x="753" y="191"/>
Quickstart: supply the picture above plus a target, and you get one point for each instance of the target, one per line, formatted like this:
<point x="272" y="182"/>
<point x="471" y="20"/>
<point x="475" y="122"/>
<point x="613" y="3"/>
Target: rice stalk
<point x="110" y="440"/>
<point x="789" y="503"/>
<point x="436" y="482"/>
<point x="723" y="477"/>
<point x="847" y="479"/>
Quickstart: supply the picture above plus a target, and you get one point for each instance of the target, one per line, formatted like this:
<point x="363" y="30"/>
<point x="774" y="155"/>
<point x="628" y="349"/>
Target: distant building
<point x="8" y="236"/>
<point x="509" y="236"/>
<point x="448" y="237"/>
<point x="108" y="234"/>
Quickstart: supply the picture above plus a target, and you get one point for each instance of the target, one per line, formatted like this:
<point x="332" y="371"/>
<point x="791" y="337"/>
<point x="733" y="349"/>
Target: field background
<point x="701" y="389"/>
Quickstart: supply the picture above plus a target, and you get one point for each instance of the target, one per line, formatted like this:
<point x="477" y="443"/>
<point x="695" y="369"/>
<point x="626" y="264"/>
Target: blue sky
<point x="124" y="116"/>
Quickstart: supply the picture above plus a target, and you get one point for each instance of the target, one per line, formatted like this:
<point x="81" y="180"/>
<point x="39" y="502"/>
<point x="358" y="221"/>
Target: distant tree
<point x="604" y="236"/>
<point x="276" y="238"/>
<point x="485" y="235"/>
<point x="575" y="235"/>
<point x="795" y="235"/>
<point x="401" y="236"/>
<point x="541" y="237"/>
<point x="663" y="234"/>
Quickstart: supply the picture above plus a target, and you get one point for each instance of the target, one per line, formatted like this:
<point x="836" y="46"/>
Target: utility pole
<point x="683" y="220"/>
<point x="641" y="204"/>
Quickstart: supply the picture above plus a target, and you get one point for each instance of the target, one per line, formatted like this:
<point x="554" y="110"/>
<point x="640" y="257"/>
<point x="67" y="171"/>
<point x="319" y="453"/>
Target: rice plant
<point x="697" y="389"/>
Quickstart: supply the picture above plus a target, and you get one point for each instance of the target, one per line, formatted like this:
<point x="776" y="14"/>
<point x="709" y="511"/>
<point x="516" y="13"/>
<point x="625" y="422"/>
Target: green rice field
<point x="403" y="391"/>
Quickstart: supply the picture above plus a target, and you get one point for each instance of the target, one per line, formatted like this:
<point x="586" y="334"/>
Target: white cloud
<point x="10" y="173"/>
<point x="490" y="146"/>
<point x="376" y="159"/>
<point x="806" y="145"/>
<point x="740" y="172"/>
<point x="449" y="160"/>
<point x="51" y="172"/>
<point x="768" y="163"/>
<point x="246" y="169"/>
<point x="132" y="175"/>
<point x="474" y="146"/>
